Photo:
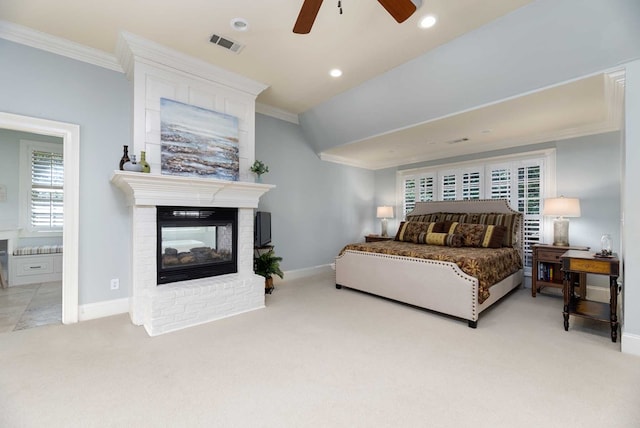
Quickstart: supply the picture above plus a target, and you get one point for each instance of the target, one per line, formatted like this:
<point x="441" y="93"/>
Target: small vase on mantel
<point x="132" y="165"/>
<point x="143" y="162"/>
<point x="125" y="157"/>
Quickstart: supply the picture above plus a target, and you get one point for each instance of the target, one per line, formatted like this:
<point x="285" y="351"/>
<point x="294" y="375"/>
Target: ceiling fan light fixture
<point x="335" y="72"/>
<point x="239" y="24"/>
<point x="428" y="21"/>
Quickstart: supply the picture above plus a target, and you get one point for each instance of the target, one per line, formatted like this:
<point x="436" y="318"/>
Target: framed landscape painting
<point x="198" y="142"/>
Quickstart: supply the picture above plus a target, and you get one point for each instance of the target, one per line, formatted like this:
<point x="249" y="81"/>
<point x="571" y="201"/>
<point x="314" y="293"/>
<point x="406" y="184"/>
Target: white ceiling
<point x="364" y="42"/>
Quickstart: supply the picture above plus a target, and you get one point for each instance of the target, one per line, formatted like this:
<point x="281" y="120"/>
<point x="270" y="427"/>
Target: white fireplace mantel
<point x="168" y="190"/>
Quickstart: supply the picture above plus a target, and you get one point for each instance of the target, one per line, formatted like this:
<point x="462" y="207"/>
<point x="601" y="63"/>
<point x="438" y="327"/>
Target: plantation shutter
<point x="529" y="204"/>
<point x="471" y="185"/>
<point x="409" y="195"/>
<point x="448" y="186"/>
<point x="47" y="183"/>
<point x="417" y="189"/>
<point x="500" y="183"/>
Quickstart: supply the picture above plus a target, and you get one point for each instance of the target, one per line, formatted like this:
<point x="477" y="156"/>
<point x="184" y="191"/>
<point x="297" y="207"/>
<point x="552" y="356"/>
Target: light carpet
<point x="321" y="357"/>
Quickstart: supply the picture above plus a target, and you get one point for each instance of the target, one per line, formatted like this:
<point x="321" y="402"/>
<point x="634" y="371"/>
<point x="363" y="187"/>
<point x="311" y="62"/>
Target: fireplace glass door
<point x="195" y="243"/>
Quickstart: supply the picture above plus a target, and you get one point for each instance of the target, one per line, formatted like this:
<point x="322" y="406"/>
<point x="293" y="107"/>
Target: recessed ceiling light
<point x="239" y="24"/>
<point x="427" y="22"/>
<point x="336" y="72"/>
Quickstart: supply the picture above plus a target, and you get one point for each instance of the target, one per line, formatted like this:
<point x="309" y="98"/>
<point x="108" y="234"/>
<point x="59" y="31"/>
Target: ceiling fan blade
<point x="307" y="15"/>
<point x="399" y="9"/>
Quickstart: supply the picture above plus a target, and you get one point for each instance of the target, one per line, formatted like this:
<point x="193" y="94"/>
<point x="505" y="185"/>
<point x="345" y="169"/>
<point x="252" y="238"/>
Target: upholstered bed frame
<point x="430" y="284"/>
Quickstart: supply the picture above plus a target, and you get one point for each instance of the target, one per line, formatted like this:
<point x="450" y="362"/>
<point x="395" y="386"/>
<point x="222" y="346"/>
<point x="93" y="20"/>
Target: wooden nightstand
<point x="581" y="263"/>
<point x="546" y="270"/>
<point x="376" y="238"/>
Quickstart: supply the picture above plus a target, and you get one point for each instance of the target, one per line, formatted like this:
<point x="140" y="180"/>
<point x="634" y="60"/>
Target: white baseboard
<point x="107" y="308"/>
<point x="598" y="294"/>
<point x="630" y="344"/>
<point x="304" y="272"/>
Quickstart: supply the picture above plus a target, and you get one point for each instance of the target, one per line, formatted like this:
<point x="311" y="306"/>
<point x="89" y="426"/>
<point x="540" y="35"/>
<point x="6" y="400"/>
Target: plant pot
<point x="268" y="285"/>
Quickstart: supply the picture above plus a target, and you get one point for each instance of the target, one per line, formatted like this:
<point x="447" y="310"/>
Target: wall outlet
<point x="115" y="284"/>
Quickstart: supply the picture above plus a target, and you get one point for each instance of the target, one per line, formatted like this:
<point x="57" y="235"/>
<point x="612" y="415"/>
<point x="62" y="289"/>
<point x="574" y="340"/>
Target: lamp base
<point x="561" y="232"/>
<point x="383" y="227"/>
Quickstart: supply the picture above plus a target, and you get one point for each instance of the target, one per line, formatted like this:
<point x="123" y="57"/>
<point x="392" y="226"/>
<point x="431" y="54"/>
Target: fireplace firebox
<point x="195" y="242"/>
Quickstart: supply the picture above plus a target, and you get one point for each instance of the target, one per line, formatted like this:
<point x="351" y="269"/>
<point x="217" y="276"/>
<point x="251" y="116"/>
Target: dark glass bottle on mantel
<point x="125" y="157"/>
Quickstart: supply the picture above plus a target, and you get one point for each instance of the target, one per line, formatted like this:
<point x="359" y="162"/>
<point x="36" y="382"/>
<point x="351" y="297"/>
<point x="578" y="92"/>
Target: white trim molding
<point x="103" y="309"/>
<point x="154" y="189"/>
<point x="70" y="134"/>
<point x="57" y="45"/>
<point x="292" y="275"/>
<point x="268" y="110"/>
<point x="630" y="344"/>
<point x="132" y="49"/>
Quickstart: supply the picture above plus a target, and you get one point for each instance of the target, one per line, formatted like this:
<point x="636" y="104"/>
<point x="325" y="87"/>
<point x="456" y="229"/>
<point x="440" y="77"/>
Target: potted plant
<point x="259" y="168"/>
<point x="267" y="264"/>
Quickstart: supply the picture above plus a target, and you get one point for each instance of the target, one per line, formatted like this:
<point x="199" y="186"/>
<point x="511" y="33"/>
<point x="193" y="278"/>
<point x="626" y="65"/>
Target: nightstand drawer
<point x="550" y="255"/>
<point x="603" y="267"/>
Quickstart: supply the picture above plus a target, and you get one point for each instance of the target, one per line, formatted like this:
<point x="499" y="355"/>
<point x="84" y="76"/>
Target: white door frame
<point x="70" y="135"/>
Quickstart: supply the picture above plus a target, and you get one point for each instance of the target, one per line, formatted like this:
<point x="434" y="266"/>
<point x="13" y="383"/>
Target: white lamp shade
<point x="385" y="212"/>
<point x="562" y="207"/>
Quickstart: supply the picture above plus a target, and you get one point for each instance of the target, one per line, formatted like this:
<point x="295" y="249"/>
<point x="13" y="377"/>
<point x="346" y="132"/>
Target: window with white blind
<point x="41" y="186"/>
<point x="519" y="179"/>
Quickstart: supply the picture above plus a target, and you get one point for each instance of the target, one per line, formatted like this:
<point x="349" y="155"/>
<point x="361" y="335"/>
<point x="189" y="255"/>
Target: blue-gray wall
<point x="317" y="207"/>
<point x="43" y="85"/>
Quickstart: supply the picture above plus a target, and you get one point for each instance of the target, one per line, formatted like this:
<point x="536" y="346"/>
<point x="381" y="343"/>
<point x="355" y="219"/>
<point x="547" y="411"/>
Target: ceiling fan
<point x="400" y="10"/>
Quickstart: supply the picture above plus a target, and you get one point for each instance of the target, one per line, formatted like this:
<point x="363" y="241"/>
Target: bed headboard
<point x="466" y="206"/>
<point x="475" y="206"/>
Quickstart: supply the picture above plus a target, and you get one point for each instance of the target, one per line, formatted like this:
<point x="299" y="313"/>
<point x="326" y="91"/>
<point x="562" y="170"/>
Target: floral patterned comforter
<point x="489" y="265"/>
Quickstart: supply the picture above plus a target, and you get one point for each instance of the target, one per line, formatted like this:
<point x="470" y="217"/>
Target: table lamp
<point x="384" y="213"/>
<point x="560" y="208"/>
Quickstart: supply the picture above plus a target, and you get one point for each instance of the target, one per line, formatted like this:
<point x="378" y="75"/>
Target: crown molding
<point x="131" y="48"/>
<point x="614" y="85"/>
<point x="347" y="161"/>
<point x="277" y="113"/>
<point x="57" y="45"/>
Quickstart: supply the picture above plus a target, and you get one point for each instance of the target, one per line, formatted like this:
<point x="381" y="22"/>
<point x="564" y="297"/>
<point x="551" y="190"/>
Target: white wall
<point x="631" y="213"/>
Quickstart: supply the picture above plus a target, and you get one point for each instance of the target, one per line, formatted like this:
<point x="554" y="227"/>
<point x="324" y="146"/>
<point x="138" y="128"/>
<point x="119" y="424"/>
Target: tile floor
<point x="32" y="305"/>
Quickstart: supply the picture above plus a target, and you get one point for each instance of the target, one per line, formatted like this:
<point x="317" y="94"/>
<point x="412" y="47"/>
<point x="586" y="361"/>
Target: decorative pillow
<point x="448" y="239"/>
<point x="416" y="231"/>
<point x="425" y="218"/>
<point x="509" y="221"/>
<point x="478" y="235"/>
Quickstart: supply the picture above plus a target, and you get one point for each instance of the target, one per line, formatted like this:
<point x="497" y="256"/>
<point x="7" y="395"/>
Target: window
<point x="42" y="186"/>
<point x="519" y="179"/>
<point x="417" y="189"/>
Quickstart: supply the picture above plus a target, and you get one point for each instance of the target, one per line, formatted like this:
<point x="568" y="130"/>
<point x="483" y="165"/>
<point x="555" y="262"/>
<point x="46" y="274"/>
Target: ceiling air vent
<point x="226" y="43"/>
<point x="459" y="140"/>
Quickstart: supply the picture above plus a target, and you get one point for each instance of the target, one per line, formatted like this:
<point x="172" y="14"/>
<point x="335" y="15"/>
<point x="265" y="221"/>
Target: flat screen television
<point x="262" y="229"/>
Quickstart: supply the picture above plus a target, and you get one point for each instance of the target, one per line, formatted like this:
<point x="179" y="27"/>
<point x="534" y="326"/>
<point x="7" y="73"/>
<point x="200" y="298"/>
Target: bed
<point x="430" y="269"/>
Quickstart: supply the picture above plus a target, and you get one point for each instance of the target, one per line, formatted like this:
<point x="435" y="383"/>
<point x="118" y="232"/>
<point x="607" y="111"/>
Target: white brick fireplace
<point x="177" y="305"/>
<point x="158" y="72"/>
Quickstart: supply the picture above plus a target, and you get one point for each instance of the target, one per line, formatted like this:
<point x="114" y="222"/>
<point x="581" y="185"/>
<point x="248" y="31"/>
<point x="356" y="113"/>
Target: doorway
<point x="70" y="135"/>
